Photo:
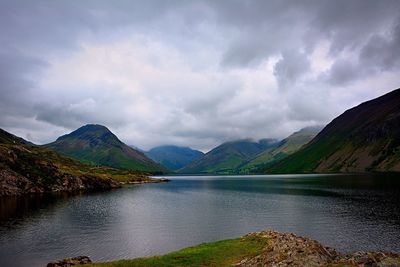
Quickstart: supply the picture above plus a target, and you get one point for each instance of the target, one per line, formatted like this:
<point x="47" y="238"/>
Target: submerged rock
<point x="70" y="262"/>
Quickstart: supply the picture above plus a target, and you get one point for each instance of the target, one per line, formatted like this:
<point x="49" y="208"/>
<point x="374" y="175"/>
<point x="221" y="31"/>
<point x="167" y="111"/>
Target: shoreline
<point x="107" y="185"/>
<point x="267" y="248"/>
<point x="150" y="181"/>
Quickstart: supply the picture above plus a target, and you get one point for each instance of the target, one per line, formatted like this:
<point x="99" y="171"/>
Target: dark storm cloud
<point x="200" y="71"/>
<point x="383" y="52"/>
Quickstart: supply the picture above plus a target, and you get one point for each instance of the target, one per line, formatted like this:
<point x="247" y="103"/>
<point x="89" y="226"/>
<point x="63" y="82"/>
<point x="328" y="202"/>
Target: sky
<point x="191" y="73"/>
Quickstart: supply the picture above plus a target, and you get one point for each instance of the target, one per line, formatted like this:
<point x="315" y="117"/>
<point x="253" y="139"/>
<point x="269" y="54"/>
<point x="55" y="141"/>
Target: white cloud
<point x="192" y="73"/>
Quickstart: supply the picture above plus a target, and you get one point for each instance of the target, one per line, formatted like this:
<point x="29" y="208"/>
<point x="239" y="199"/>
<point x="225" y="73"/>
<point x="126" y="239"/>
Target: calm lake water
<point x="347" y="212"/>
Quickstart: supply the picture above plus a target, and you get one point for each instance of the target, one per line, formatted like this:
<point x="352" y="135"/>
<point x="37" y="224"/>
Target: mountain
<point x="225" y="158"/>
<point x="283" y="149"/>
<point x="8" y="138"/>
<point x="173" y="157"/>
<point x="26" y="168"/>
<point x="95" y="144"/>
<point x="364" y="138"/>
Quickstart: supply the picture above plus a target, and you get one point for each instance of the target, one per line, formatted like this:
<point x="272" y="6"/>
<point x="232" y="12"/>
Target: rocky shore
<point x="14" y="184"/>
<point x="147" y="181"/>
<point x="279" y="250"/>
<point x="287" y="249"/>
<point x="27" y="169"/>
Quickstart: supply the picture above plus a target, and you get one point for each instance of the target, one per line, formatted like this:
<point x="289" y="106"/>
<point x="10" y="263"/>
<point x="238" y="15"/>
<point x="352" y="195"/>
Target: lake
<point x="348" y="212"/>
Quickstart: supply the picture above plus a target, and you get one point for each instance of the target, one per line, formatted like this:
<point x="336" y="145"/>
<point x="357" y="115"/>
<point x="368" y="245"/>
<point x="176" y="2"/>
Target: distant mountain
<point x="173" y="157"/>
<point x="364" y="138"/>
<point x="226" y="158"/>
<point x="283" y="149"/>
<point x="26" y="168"/>
<point x="95" y="144"/>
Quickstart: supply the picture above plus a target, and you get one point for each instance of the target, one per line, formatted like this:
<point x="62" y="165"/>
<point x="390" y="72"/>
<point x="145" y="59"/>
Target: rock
<point x="286" y="249"/>
<point x="70" y="262"/>
<point x="163" y="180"/>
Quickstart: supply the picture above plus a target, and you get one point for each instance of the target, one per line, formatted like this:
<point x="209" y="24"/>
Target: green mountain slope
<point x="173" y="157"/>
<point x="25" y="168"/>
<point x="226" y="158"/>
<point x="364" y="138"/>
<point x="97" y="145"/>
<point x="285" y="148"/>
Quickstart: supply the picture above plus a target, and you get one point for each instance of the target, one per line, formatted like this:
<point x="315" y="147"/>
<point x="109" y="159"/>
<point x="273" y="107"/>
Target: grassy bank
<point x="220" y="253"/>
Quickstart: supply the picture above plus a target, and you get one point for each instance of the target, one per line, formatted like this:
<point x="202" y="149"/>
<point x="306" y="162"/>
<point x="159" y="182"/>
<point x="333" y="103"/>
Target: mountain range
<point x="281" y="150"/>
<point x="96" y="145"/>
<point x="363" y="139"/>
<point x="248" y="156"/>
<point x="173" y="157"/>
<point x="227" y="157"/>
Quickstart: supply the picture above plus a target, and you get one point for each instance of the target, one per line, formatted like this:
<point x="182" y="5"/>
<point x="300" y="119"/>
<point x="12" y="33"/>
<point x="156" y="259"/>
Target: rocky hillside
<point x="364" y="138"/>
<point x="32" y="169"/>
<point x="95" y="144"/>
<point x="286" y="147"/>
<point x="226" y="158"/>
<point x="173" y="157"/>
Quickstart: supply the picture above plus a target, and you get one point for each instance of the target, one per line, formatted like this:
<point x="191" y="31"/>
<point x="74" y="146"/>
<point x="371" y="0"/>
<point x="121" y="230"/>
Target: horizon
<point x="173" y="145"/>
<point x="193" y="74"/>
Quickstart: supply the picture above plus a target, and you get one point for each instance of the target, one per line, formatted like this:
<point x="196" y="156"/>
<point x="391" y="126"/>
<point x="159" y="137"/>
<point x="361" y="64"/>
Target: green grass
<point x="220" y="253"/>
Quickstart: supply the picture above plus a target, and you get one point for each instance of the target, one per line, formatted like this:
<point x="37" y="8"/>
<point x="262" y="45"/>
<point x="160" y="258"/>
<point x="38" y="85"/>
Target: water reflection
<point x="349" y="212"/>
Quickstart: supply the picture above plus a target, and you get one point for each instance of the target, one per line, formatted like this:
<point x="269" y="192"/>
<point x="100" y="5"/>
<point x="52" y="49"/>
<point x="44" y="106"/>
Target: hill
<point x="8" y="138"/>
<point x="95" y="144"/>
<point x="284" y="148"/>
<point x="364" y="138"/>
<point x="226" y="158"/>
<point x="25" y="168"/>
<point x="173" y="157"/>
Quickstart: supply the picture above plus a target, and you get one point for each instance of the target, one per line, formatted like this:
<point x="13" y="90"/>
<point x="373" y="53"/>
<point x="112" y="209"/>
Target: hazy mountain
<point x="228" y="156"/>
<point x="97" y="145"/>
<point x="283" y="149"/>
<point x="173" y="157"/>
<point x="364" y="138"/>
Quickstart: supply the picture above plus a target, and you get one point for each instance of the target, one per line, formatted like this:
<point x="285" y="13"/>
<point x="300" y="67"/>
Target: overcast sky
<point x="193" y="73"/>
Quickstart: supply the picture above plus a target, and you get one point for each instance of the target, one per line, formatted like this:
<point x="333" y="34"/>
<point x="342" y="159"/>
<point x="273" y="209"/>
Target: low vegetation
<point x="26" y="168"/>
<point x="220" y="253"/>
<point x="268" y="248"/>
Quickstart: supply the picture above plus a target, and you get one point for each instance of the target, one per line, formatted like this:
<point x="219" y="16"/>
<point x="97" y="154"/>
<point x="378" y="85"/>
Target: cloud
<point x="188" y="72"/>
<point x="291" y="67"/>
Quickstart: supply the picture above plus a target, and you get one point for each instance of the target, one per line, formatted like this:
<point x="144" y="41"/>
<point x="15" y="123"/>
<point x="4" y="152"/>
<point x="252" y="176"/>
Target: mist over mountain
<point x="364" y="138"/>
<point x="226" y="157"/>
<point x="284" y="148"/>
<point x="173" y="157"/>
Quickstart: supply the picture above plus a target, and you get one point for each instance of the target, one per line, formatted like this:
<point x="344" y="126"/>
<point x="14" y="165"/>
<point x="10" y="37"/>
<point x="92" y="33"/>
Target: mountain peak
<point x="91" y="131"/>
<point x="96" y="144"/>
<point x="94" y="127"/>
